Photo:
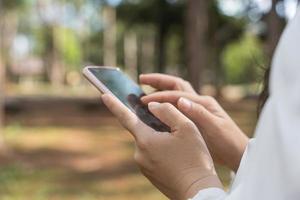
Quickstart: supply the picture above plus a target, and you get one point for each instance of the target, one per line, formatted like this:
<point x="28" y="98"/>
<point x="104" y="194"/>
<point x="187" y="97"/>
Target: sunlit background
<point x="57" y="141"/>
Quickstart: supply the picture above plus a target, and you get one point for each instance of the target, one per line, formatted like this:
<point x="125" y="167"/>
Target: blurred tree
<point x="68" y="47"/>
<point x="196" y="27"/>
<point x="207" y="31"/>
<point x="8" y="28"/>
<point x="240" y="60"/>
<point x="2" y="72"/>
<point x="92" y="48"/>
<point x="109" y="36"/>
<point x="54" y="68"/>
<point x="131" y="53"/>
<point x="275" y="25"/>
<point x="223" y="30"/>
<point x="163" y="14"/>
<point x="53" y="36"/>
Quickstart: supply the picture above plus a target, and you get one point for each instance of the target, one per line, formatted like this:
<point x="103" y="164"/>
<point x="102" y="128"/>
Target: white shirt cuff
<point x="210" y="194"/>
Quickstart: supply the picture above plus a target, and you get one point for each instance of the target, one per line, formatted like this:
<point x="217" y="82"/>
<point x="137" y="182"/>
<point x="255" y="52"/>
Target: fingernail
<point x="153" y="105"/>
<point x="143" y="99"/>
<point x="185" y="103"/>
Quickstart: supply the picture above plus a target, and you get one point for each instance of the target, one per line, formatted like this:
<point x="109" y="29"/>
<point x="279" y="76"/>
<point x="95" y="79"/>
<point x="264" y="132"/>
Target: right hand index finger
<point x="160" y="81"/>
<point x="168" y="96"/>
<point x="173" y="97"/>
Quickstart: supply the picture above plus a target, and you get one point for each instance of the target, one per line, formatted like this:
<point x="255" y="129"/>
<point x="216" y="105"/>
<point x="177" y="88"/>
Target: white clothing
<point x="270" y="167"/>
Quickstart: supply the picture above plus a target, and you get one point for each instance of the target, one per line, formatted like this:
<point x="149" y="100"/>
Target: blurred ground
<point x="64" y="148"/>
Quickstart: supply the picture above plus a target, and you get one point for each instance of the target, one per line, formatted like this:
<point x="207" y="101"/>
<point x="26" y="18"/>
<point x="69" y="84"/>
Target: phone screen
<point x="129" y="93"/>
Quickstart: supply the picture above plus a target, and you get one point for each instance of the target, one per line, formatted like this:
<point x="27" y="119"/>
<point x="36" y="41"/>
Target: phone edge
<point x="98" y="84"/>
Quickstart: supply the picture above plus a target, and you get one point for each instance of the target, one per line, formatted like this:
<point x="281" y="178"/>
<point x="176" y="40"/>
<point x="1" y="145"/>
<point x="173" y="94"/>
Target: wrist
<point x="202" y="183"/>
<point x="239" y="154"/>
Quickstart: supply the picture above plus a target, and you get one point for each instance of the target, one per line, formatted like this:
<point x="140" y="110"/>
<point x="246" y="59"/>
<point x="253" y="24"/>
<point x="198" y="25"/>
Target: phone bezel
<point x="98" y="84"/>
<point x="93" y="79"/>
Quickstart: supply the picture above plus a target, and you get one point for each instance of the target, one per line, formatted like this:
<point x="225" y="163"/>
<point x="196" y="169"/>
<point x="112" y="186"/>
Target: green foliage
<point x="242" y="59"/>
<point x="93" y="50"/>
<point x="174" y="44"/>
<point x="39" y="37"/>
<point x="68" y="46"/>
<point x="63" y="40"/>
<point x="13" y="4"/>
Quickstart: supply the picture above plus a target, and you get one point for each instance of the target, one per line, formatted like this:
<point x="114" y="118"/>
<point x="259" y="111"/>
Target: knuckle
<point x="142" y="144"/>
<point x="221" y="124"/>
<point x="138" y="158"/>
<point x="180" y="80"/>
<point x="188" y="125"/>
<point x="186" y="82"/>
<point x="167" y="106"/>
<point x="122" y="115"/>
<point x="200" y="111"/>
<point x="210" y="99"/>
<point x="106" y="103"/>
<point x="132" y="122"/>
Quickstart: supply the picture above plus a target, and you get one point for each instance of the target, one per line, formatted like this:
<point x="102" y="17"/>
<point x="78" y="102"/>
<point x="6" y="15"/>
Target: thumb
<point x="127" y="118"/>
<point x="196" y="112"/>
<point x="169" y="115"/>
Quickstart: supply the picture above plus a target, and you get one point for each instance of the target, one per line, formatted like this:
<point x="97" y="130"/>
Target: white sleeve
<point x="270" y="167"/>
<point x="210" y="194"/>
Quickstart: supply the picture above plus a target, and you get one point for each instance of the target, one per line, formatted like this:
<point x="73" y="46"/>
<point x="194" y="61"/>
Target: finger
<point x="169" y="115"/>
<point x="173" y="97"/>
<point x="196" y="112"/>
<point x="165" y="96"/>
<point x="160" y="81"/>
<point x="127" y="118"/>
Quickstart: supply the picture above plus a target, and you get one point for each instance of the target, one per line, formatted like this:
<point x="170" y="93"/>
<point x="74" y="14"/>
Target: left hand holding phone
<point x="177" y="163"/>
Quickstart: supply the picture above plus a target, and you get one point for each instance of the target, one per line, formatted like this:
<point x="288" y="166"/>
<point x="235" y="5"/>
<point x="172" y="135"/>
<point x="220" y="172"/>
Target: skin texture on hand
<point x="177" y="163"/>
<point x="225" y="141"/>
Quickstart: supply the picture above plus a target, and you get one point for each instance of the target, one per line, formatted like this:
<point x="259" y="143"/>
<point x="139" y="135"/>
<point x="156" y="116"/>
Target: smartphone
<point x="113" y="81"/>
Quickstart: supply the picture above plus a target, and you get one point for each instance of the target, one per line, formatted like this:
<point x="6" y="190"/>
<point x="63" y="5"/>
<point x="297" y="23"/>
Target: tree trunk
<point x="148" y="53"/>
<point x="3" y="148"/>
<point x="139" y="56"/>
<point x="2" y="71"/>
<point x="275" y="26"/>
<point x="110" y="35"/>
<point x="196" y="27"/>
<point x="54" y="69"/>
<point x="57" y="72"/>
<point x="130" y="53"/>
<point x="161" y="49"/>
<point x="2" y="82"/>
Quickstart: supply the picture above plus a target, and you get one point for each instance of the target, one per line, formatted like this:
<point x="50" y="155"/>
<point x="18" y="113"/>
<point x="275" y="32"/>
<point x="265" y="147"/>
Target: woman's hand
<point x="177" y="163"/>
<point x="225" y="141"/>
